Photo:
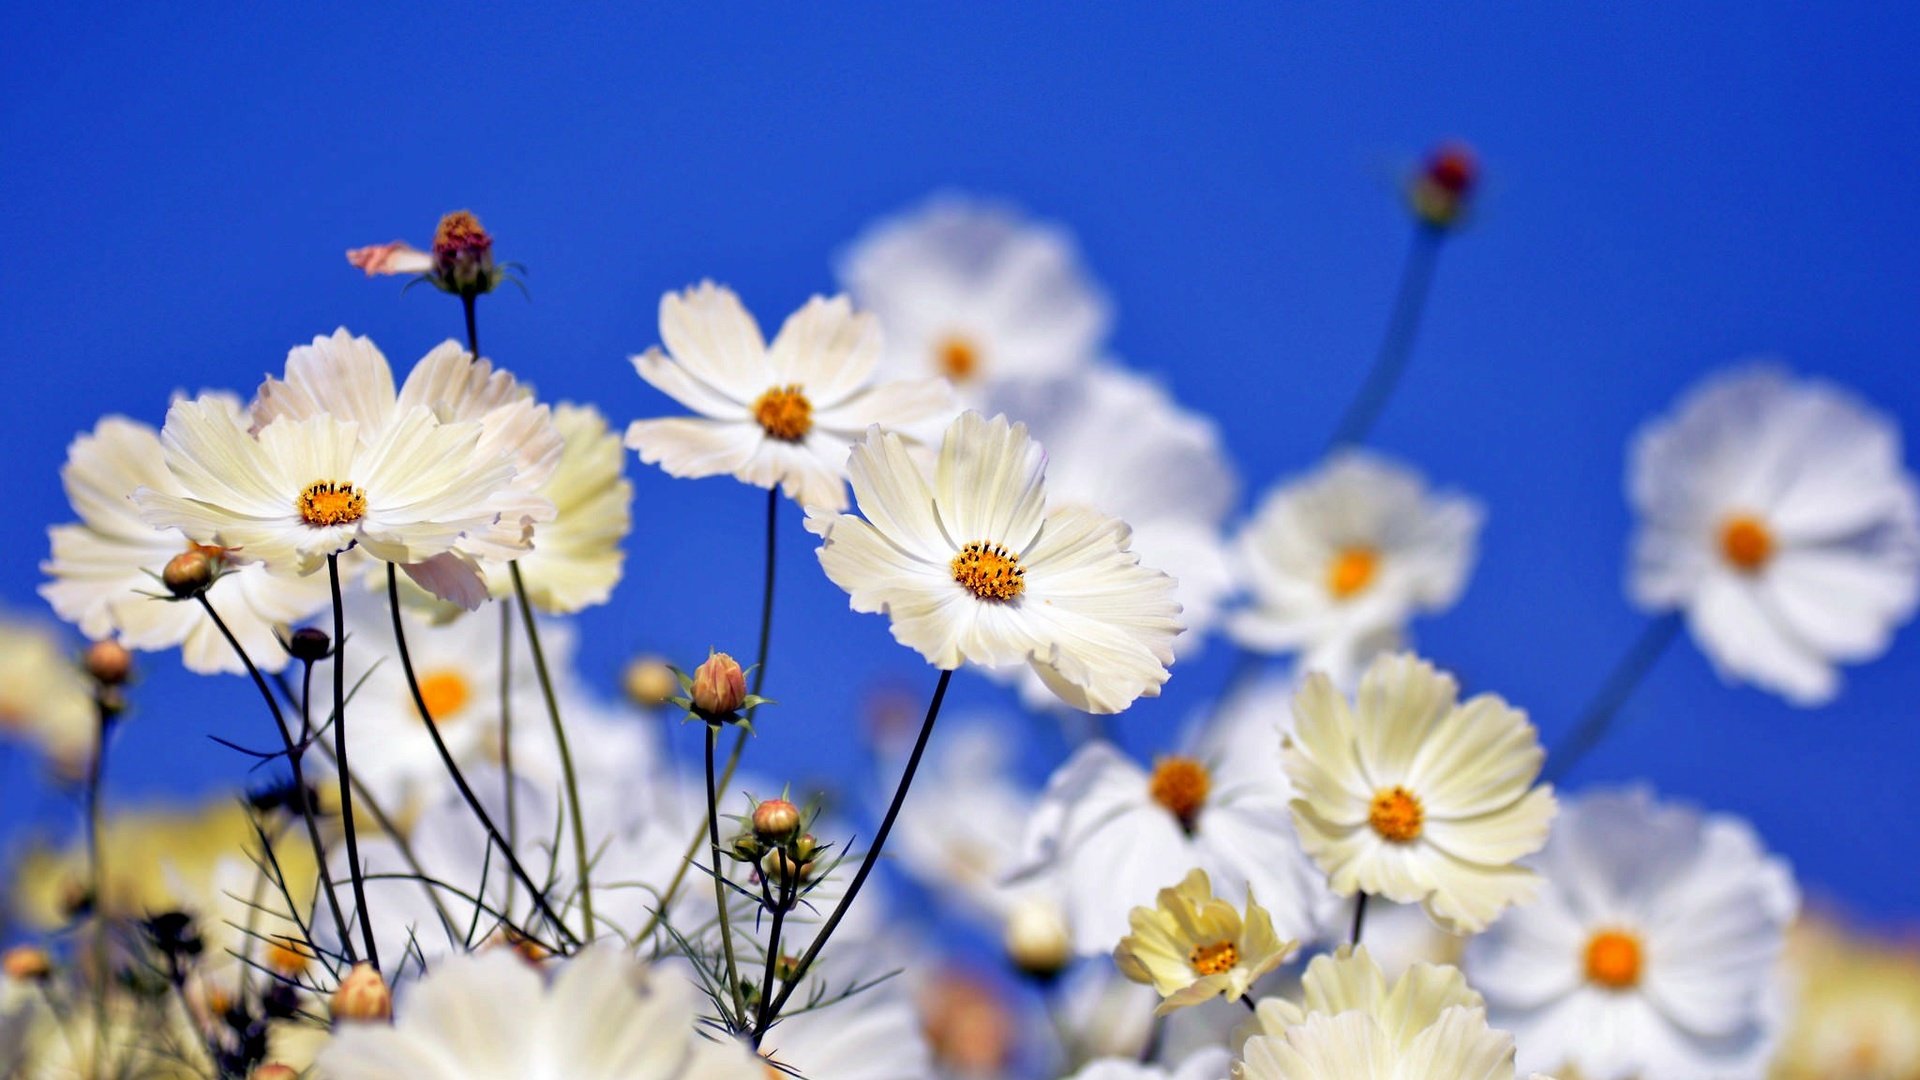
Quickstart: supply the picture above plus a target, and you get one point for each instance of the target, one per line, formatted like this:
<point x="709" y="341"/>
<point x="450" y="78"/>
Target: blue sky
<point x="1670" y="188"/>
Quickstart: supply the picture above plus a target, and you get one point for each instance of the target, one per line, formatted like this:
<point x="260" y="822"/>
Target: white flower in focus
<point x="577" y="556"/>
<point x="1653" y="951"/>
<point x="106" y="567"/>
<point x="1341" y="560"/>
<point x="45" y="698"/>
<point x="973" y="293"/>
<point x="972" y="567"/>
<point x="1411" y="794"/>
<point x="1190" y="946"/>
<point x="604" y="1016"/>
<point x="1777" y="515"/>
<point x="781" y="414"/>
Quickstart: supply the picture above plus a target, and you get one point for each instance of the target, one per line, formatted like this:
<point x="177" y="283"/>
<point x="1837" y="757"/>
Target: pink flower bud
<point x="719" y="686"/>
<point x="775" y="820"/>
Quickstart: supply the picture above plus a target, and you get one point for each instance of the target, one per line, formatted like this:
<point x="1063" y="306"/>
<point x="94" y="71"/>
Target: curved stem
<point x="720" y="883"/>
<point x="1626" y="676"/>
<point x="340" y="759"/>
<point x="1390" y="363"/>
<point x="453" y="768"/>
<point x="867" y="863"/>
<point x="582" y="865"/>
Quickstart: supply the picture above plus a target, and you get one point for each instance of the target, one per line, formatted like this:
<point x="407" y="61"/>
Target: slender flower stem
<point x="766" y="596"/>
<point x="96" y="867"/>
<point x="582" y="865"/>
<point x="473" y="328"/>
<point x="788" y="885"/>
<point x="1390" y="363"/>
<point x="1627" y="674"/>
<point x="340" y="760"/>
<point x="1359" y="918"/>
<point x="296" y="750"/>
<point x="867" y="863"/>
<point x="720" y="882"/>
<point x="506" y="732"/>
<point x="453" y="768"/>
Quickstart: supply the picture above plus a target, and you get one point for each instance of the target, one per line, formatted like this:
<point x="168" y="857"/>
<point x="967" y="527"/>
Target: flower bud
<point x="309" y="644"/>
<point x="273" y="1070"/>
<point x="363" y="996"/>
<point x="1440" y="191"/>
<point x="108" y="662"/>
<point x="779" y="869"/>
<point x="463" y="254"/>
<point x="775" y="820"/>
<point x="805" y="846"/>
<point x="1036" y="938"/>
<point x="188" y="574"/>
<point x="747" y="848"/>
<point x="719" y="686"/>
<point x="649" y="682"/>
<point x="24" y="962"/>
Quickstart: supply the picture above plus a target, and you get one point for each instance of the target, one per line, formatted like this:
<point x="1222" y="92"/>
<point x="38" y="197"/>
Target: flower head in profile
<point x="973" y="567"/>
<point x="1441" y="190"/>
<point x="783" y="414"/>
<point x="1776" y="514"/>
<point x="975" y="294"/>
<point x="1653" y="951"/>
<point x="460" y="262"/>
<point x="1340" y="561"/>
<point x="1411" y="794"/>
<point x="1192" y="946"/>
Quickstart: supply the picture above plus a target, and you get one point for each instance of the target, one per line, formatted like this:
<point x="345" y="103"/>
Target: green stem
<point x="582" y="865"/>
<point x="506" y="731"/>
<point x="340" y="759"/>
<point x="720" y="884"/>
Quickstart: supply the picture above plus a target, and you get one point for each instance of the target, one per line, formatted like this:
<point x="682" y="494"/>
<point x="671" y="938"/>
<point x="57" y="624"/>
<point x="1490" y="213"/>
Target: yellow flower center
<point x="446" y="693"/>
<point x="1746" y="542"/>
<point x="785" y="413"/>
<point x="1396" y="815"/>
<point x="1351" y="571"/>
<point x="288" y="957"/>
<point x="1181" y="785"/>
<point x="957" y="358"/>
<point x="1215" y="959"/>
<point x="989" y="571"/>
<point x="330" y="502"/>
<point x="1614" y="960"/>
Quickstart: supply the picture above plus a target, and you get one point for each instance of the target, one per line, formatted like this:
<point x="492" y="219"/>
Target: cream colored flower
<point x="782" y="414"/>
<point x="44" y="696"/>
<point x="973" y="568"/>
<point x="1191" y="946"/>
<point x="1410" y="794"/>
<point x="1857" y="1012"/>
<point x="577" y="557"/>
<point x="105" y="568"/>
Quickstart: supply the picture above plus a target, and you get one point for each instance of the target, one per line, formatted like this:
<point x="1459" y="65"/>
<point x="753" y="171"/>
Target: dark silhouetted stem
<point x="1390" y="363"/>
<point x="1627" y="674"/>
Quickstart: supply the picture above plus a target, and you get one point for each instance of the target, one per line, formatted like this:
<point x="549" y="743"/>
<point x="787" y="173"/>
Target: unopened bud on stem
<point x="108" y="662"/>
<point x="775" y="820"/>
<point x="362" y="997"/>
<point x="719" y="686"/>
<point x="188" y="574"/>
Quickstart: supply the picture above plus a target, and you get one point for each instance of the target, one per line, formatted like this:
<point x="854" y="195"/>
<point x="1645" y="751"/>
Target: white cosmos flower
<point x="44" y="697"/>
<point x="1168" y="479"/>
<point x="782" y="414"/>
<point x="973" y="567"/>
<point x="1775" y="512"/>
<point x="302" y="490"/>
<point x="348" y="378"/>
<point x="106" y="567"/>
<point x="577" y="556"/>
<point x="1653" y="951"/>
<point x="1411" y="794"/>
<point x="1341" y="560"/>
<point x="976" y="294"/>
<point x="603" y="1016"/>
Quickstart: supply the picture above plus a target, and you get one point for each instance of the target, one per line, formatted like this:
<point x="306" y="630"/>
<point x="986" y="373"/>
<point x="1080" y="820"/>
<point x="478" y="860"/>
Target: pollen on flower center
<point x="1215" y="959"/>
<point x="1351" y="571"/>
<point x="785" y="413"/>
<point x="1614" y="960"/>
<point x="1180" y="784"/>
<point x="330" y="502"/>
<point x="1396" y="814"/>
<point x="1746" y="542"/>
<point x="989" y="571"/>
<point x="446" y="693"/>
<point x="957" y="358"/>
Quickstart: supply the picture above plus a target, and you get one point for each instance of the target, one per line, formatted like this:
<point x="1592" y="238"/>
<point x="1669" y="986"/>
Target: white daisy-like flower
<point x="1169" y="480"/>
<point x="348" y="378"/>
<point x="1775" y="512"/>
<point x="577" y="557"/>
<point x="603" y="1016"/>
<point x="973" y="567"/>
<point x="106" y="567"/>
<point x="975" y="294"/>
<point x="1191" y="946"/>
<point x="781" y="414"/>
<point x="304" y="489"/>
<point x="1411" y="794"/>
<point x="44" y="697"/>
<point x="1341" y="560"/>
<point x="1653" y="951"/>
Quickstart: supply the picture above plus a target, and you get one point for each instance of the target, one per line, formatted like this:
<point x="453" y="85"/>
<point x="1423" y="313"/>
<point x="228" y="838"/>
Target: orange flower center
<point x="1614" y="960"/>
<point x="1215" y="959"/>
<point x="1351" y="571"/>
<point x="1746" y="542"/>
<point x="957" y="358"/>
<point x="330" y="502"/>
<point x="288" y="957"/>
<point x="1181" y="785"/>
<point x="989" y="571"/>
<point x="1396" y="815"/>
<point x="446" y="693"/>
<point x="785" y="413"/>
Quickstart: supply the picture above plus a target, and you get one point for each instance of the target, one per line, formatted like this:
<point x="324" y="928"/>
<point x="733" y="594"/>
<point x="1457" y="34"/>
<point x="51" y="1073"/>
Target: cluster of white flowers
<point x="1343" y="869"/>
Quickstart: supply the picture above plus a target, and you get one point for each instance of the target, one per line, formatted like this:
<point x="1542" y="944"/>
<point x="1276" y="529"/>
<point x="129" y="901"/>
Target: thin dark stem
<point x="788" y="884"/>
<point x="1359" y="918"/>
<point x="506" y="731"/>
<point x="1627" y="674"/>
<point x="340" y="761"/>
<point x="867" y="863"/>
<point x="96" y="865"/>
<point x="720" y="881"/>
<point x="1390" y="363"/>
<point x="582" y="864"/>
<point x="296" y="749"/>
<point x="453" y="768"/>
<point x="473" y="328"/>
